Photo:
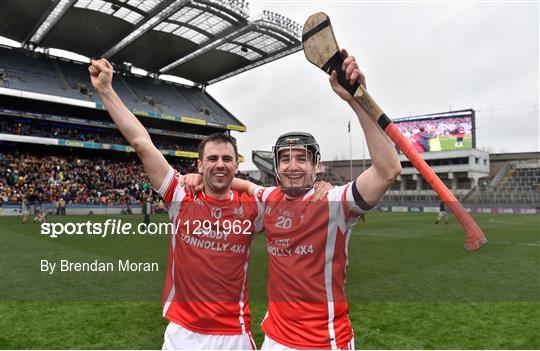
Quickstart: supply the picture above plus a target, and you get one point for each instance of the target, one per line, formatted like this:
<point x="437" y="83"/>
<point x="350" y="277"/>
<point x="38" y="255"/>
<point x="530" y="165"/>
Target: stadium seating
<point x="84" y="133"/>
<point x="160" y="96"/>
<point x="54" y="76"/>
<point x="410" y="198"/>
<point x="35" y="74"/>
<point x="330" y="176"/>
<point x="519" y="184"/>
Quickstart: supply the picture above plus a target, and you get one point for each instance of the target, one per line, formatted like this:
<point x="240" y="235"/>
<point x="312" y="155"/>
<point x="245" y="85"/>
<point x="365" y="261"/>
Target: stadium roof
<point x="204" y="41"/>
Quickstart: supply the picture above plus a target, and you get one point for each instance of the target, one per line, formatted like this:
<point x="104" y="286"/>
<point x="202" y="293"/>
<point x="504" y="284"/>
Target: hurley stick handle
<point x="368" y="104"/>
<point x="475" y="236"/>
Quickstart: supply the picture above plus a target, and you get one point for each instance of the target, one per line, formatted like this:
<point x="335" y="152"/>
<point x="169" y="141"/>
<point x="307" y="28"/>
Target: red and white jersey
<point x="206" y="288"/>
<point x="307" y="244"/>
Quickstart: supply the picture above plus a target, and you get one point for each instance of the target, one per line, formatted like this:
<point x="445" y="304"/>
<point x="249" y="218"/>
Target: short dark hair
<point x="218" y="138"/>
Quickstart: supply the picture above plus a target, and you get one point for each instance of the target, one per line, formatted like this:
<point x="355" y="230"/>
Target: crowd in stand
<point x="83" y="133"/>
<point x="77" y="181"/>
<point x="97" y="181"/>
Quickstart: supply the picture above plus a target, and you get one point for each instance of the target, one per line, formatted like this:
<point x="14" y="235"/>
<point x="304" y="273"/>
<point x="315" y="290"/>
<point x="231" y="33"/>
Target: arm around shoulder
<point x="244" y="186"/>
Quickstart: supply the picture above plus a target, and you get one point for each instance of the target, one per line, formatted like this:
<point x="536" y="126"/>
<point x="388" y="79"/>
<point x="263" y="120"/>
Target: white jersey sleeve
<point x="343" y="205"/>
<point x="261" y="195"/>
<point x="172" y="192"/>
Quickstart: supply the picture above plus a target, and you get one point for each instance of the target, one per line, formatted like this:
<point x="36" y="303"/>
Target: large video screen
<point x="439" y="131"/>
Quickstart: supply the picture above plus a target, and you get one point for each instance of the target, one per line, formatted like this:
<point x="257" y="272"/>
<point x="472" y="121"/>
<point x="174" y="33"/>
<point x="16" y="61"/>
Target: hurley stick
<point x="321" y="49"/>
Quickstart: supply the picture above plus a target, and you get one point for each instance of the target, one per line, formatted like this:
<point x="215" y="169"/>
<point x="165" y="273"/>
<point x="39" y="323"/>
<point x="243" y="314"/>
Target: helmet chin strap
<point x="294" y="192"/>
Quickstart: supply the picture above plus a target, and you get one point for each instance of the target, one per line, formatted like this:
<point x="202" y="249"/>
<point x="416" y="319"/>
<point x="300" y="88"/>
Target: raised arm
<point x="374" y="181"/>
<point x="155" y="164"/>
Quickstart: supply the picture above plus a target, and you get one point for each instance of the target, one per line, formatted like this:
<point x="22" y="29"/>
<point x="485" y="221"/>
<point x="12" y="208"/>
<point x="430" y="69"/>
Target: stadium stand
<point x="329" y="175"/>
<point x="518" y="182"/>
<point x="60" y="77"/>
<point x="78" y="177"/>
<point x="35" y="74"/>
<point x="51" y="129"/>
<point x="476" y="178"/>
<point x="97" y="181"/>
<point x="162" y="97"/>
<point x="78" y="180"/>
<point x="22" y="70"/>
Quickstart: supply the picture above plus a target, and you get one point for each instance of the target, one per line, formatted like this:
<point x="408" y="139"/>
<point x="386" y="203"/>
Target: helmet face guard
<point x="297" y="141"/>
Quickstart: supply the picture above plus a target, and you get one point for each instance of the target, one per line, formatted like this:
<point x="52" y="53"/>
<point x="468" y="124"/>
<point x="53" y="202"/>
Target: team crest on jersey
<point x="198" y="202"/>
<point x="216" y="212"/>
<point x="279" y="242"/>
<point x="238" y="212"/>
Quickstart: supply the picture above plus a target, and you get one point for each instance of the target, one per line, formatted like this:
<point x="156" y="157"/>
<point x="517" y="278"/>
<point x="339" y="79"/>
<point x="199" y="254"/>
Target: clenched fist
<point x="101" y="73"/>
<point x="352" y="74"/>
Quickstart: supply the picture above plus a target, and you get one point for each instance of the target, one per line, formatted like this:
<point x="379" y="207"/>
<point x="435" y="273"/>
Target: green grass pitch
<point x="409" y="282"/>
<point x="449" y="143"/>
